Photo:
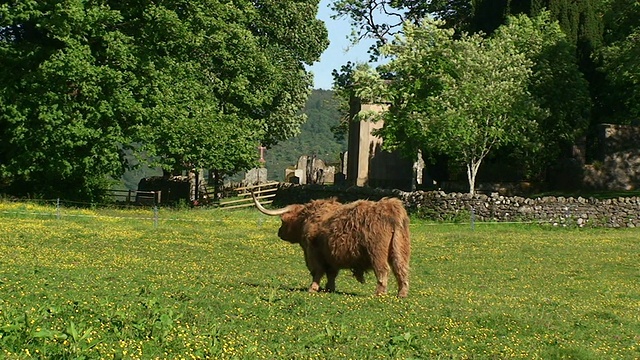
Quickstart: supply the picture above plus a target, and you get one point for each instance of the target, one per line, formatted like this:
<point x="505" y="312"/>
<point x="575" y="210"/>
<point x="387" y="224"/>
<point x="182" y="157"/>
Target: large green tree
<point x="196" y="83"/>
<point x="556" y="84"/>
<point x="463" y="97"/>
<point x="67" y="95"/>
<point x="558" y="41"/>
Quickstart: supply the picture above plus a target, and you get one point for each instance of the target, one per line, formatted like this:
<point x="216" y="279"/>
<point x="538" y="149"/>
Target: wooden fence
<point x="264" y="192"/>
<point x="137" y="197"/>
<point x="231" y="197"/>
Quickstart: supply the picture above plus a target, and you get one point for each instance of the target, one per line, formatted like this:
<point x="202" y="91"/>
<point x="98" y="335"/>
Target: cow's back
<point x="358" y="229"/>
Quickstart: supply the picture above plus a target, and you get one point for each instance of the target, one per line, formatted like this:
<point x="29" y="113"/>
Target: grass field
<point x="214" y="284"/>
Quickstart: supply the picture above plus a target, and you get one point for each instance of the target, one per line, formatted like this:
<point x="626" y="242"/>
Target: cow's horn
<point x="269" y="212"/>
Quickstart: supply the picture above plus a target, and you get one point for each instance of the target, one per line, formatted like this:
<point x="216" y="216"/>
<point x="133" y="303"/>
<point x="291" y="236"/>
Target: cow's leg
<point x="402" y="276"/>
<point x="399" y="258"/>
<point x="316" y="269"/>
<point x="317" y="272"/>
<point x="358" y="273"/>
<point x="381" y="270"/>
<point x="379" y="258"/>
<point x="316" y="275"/>
<point x="331" y="279"/>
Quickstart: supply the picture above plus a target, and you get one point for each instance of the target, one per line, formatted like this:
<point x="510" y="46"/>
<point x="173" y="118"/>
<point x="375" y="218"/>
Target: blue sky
<point x="336" y="54"/>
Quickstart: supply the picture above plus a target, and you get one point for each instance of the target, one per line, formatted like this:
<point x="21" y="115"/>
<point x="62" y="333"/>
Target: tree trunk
<point x="472" y="171"/>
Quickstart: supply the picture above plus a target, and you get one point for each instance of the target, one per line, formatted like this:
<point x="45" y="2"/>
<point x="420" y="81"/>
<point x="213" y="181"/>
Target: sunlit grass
<point x="219" y="284"/>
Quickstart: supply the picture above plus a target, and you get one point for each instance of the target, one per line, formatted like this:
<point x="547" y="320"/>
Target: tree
<point x="381" y="20"/>
<point x="560" y="51"/>
<point x="195" y="84"/>
<point x="66" y="97"/>
<point x="223" y="108"/>
<point x="557" y="85"/>
<point x="621" y="61"/>
<point x="463" y="97"/>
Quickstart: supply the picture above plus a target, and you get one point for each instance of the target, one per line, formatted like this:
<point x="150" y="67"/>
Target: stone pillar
<point x="302" y="165"/>
<point x="362" y="144"/>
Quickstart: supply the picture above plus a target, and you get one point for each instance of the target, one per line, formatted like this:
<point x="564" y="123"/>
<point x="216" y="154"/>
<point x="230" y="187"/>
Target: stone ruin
<point x="370" y="165"/>
<point x="365" y="163"/>
<point x="255" y="176"/>
<point x="311" y="170"/>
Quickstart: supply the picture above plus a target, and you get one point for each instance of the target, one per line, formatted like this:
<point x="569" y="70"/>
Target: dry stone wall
<point x="441" y="206"/>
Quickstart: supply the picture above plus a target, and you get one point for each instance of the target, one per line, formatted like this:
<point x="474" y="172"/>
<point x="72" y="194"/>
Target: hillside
<point x="315" y="137"/>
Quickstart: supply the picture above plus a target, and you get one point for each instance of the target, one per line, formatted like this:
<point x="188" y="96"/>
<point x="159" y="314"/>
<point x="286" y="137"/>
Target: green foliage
<point x="316" y="136"/>
<point x="382" y="20"/>
<point x="368" y="88"/>
<point x="557" y="85"/>
<point x="602" y="34"/>
<point x="344" y="93"/>
<point x="580" y="20"/>
<point x="220" y="284"/>
<point x="64" y="97"/>
<point x="198" y="84"/>
<point x="462" y="96"/>
<point x="621" y="59"/>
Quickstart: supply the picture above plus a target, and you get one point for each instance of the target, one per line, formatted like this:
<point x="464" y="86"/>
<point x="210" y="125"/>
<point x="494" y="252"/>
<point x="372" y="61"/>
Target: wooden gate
<point x="264" y="192"/>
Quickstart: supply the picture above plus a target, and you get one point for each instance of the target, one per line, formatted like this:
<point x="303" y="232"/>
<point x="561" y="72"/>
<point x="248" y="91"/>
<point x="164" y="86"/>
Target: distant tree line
<point x="520" y="81"/>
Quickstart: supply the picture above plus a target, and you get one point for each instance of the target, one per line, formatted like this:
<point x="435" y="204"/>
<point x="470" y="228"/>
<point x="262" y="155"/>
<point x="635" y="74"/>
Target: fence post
<point x="155" y="216"/>
<point x="58" y="209"/>
<point x="473" y="219"/>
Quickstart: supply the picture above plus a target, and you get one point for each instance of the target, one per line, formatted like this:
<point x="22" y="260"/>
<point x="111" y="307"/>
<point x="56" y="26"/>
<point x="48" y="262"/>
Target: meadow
<point x="207" y="283"/>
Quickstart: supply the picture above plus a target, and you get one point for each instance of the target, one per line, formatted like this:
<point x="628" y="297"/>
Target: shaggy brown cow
<point x="360" y="236"/>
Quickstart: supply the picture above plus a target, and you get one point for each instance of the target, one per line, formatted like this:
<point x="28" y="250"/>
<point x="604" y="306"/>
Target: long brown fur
<point x="361" y="236"/>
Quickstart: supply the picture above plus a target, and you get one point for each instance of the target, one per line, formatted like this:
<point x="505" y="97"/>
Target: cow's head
<point x="291" y="217"/>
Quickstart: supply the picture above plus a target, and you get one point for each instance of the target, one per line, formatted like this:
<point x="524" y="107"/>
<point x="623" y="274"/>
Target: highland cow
<point x="362" y="235"/>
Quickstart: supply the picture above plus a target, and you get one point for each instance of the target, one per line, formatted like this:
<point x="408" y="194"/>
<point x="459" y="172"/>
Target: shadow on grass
<point x="295" y="289"/>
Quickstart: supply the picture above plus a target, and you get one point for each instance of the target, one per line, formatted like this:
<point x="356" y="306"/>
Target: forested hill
<point x="315" y="136"/>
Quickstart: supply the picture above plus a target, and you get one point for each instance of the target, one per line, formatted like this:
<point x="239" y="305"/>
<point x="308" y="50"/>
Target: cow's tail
<point x="399" y="255"/>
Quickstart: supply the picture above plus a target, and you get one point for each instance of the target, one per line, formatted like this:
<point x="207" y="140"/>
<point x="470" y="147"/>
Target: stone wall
<point x="441" y="206"/>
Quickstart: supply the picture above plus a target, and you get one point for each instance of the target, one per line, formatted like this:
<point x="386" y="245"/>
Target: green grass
<point x="220" y="284"/>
